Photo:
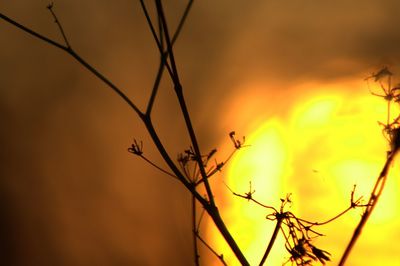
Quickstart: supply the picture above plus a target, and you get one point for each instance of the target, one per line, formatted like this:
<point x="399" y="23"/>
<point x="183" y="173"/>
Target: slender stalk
<point x="71" y="52"/>
<point x="106" y="81"/>
<point x="155" y="86"/>
<point x="182" y="103"/>
<point x="220" y="257"/>
<point x="195" y="233"/>
<point x="50" y="8"/>
<point x="219" y="223"/>
<point x="272" y="240"/>
<point x="160" y="71"/>
<point x="182" y="21"/>
<point x="211" y="209"/>
<point x="33" y="33"/>
<point x="164" y="55"/>
<point x="164" y="154"/>
<point x="375" y="195"/>
<point x="158" y="167"/>
<point x="156" y="39"/>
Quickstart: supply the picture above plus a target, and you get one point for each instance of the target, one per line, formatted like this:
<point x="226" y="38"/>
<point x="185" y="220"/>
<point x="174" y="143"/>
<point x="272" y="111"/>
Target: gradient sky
<point x="71" y="194"/>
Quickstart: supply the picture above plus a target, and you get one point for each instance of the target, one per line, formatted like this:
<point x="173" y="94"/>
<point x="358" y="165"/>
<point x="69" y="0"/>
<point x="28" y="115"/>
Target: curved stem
<point x="272" y="241"/>
<point x="71" y="52"/>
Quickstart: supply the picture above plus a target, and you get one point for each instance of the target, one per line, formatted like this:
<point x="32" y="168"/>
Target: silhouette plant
<point x="193" y="169"/>
<point x="391" y="132"/>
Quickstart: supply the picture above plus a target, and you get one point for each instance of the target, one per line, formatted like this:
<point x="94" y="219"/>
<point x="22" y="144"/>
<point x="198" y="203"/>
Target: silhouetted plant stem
<point x="208" y="204"/>
<point x="72" y="53"/>
<point x="273" y="238"/>
<point x="156" y="85"/>
<point x="182" y="103"/>
<point x="195" y="233"/>
<point x="164" y="154"/>
<point x="375" y="194"/>
<point x="220" y="257"/>
<point x="164" y="55"/>
<point x="33" y="33"/>
<point x="106" y="81"/>
<point x="210" y="207"/>
<point x="50" y="8"/>
<point x="217" y="219"/>
<point x="212" y="210"/>
<point x="178" y="87"/>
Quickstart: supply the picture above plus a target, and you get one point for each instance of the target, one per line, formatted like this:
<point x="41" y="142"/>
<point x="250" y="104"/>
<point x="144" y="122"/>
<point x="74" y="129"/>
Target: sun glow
<point x="327" y="141"/>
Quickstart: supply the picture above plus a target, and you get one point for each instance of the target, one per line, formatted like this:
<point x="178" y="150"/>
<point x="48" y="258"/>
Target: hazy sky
<point x="71" y="194"/>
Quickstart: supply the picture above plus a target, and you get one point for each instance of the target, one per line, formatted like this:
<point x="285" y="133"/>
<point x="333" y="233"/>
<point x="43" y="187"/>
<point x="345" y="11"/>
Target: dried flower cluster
<point x="391" y="94"/>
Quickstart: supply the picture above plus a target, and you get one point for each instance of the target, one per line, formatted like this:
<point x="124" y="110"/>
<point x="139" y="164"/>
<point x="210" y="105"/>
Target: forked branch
<point x="167" y="60"/>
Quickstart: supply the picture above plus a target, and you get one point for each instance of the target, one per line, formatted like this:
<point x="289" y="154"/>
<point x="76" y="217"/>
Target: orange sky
<point x="289" y="76"/>
<point x="316" y="150"/>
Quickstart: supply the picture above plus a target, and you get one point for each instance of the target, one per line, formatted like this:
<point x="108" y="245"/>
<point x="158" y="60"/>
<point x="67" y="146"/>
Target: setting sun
<point x="158" y="132"/>
<point x="316" y="150"/>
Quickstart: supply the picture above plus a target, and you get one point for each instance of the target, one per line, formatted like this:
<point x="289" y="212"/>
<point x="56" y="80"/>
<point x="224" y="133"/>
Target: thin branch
<point x="164" y="154"/>
<point x="237" y="146"/>
<point x="156" y="39"/>
<point x="220" y="257"/>
<point x="201" y="218"/>
<point x="195" y="233"/>
<point x="352" y="206"/>
<point x="33" y="33"/>
<point x="137" y="149"/>
<point x="158" y="167"/>
<point x="160" y="70"/>
<point x="106" y="81"/>
<point x="375" y="195"/>
<point x="335" y="217"/>
<point x="182" y="21"/>
<point x="249" y="196"/>
<point x="272" y="240"/>
<point x="164" y="55"/>
<point x="156" y="85"/>
<point x="160" y="12"/>
<point x="182" y="103"/>
<point x="50" y="8"/>
<point x="71" y="52"/>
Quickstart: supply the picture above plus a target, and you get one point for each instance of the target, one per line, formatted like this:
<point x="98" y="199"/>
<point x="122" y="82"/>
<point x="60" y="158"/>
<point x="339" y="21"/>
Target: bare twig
<point x="219" y="256"/>
<point x="272" y="239"/>
<point x="249" y="196"/>
<point x="164" y="55"/>
<point x="50" y="8"/>
<point x="375" y="195"/>
<point x="210" y="207"/>
<point x="137" y="149"/>
<point x="195" y="233"/>
<point x="72" y="53"/>
<point x="158" y="40"/>
<point x="392" y="134"/>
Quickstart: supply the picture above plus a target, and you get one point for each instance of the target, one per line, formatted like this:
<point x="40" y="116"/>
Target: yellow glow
<point x="327" y="141"/>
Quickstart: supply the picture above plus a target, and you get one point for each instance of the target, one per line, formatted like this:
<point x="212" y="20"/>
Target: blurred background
<point x="70" y="192"/>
